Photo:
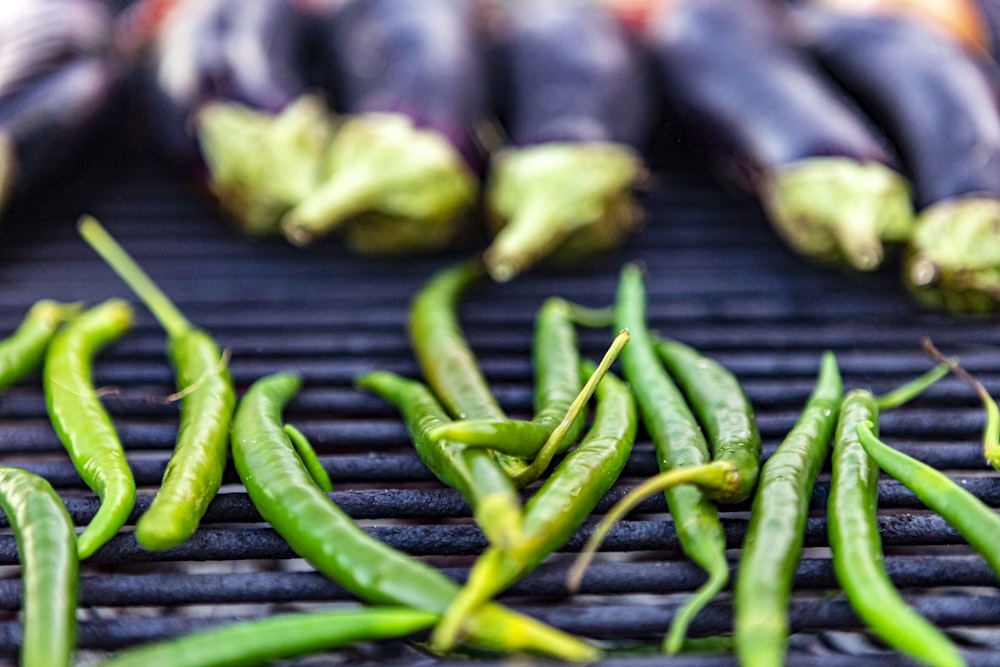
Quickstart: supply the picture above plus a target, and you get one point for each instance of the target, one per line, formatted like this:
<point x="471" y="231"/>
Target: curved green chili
<point x="46" y="547"/>
<point x="449" y="365"/>
<point x="558" y="508"/>
<point x="81" y="421"/>
<point x="495" y="502"/>
<point x="773" y="543"/>
<point x="279" y="637"/>
<point x="282" y="489"/>
<point x="976" y="521"/>
<point x="24" y="350"/>
<point x="309" y="459"/>
<point x="679" y="443"/>
<point x="856" y="547"/>
<point x="555" y="357"/>
<point x="722" y="408"/>
<point x="194" y="472"/>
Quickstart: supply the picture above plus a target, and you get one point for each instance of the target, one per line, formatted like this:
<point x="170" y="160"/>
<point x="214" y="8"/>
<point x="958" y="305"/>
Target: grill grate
<point x="718" y="279"/>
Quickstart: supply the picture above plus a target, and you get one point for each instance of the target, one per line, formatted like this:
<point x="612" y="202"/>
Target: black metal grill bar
<point x="171" y="589"/>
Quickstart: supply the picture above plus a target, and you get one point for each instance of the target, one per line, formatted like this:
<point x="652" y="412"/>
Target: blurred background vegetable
<point x="770" y="121"/>
<point x="939" y="103"/>
<point x="575" y="99"/>
<point x="59" y="85"/>
<point x="402" y="172"/>
<point x="224" y="90"/>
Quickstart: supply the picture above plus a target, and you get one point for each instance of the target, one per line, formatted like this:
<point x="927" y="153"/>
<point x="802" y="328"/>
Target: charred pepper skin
<point x="81" y="421"/>
<point x="282" y="489"/>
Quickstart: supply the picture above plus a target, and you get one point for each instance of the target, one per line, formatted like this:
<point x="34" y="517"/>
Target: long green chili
<point x="262" y="641"/>
<point x="282" y="489"/>
<point x="679" y="443"/>
<point x="24" y="349"/>
<point x="81" y="421"/>
<point x="856" y="547"/>
<point x="46" y="547"/>
<point x="773" y="544"/>
<point x="194" y="472"/>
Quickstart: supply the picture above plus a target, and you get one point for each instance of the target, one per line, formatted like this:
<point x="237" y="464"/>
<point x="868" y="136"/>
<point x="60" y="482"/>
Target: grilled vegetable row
<point x="396" y="122"/>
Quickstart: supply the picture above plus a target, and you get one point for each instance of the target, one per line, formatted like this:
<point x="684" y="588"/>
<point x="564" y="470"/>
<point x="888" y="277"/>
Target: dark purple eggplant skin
<point x="568" y="70"/>
<point x="423" y="59"/>
<point x="253" y="53"/>
<point x="736" y="83"/>
<point x="990" y="11"/>
<point x="52" y="119"/>
<point x="937" y="101"/>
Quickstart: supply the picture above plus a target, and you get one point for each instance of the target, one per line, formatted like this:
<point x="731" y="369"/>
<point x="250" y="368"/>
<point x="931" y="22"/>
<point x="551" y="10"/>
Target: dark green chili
<point x="722" y="408"/>
<point x="46" y="547"/>
<point x="81" y="421"/>
<point x="555" y="356"/>
<point x="24" y="350"/>
<point x="856" y="547"/>
<point x="495" y="502"/>
<point x="282" y="489"/>
<point x="679" y="443"/>
<point x="775" y="533"/>
<point x="205" y="389"/>
<point x="280" y="637"/>
<point x="558" y="508"/>
<point x="449" y="364"/>
<point x="976" y="521"/>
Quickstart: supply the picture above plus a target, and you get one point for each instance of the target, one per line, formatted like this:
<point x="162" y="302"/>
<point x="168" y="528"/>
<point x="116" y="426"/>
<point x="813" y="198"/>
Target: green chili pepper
<point x="194" y="472"/>
<point x="82" y="423"/>
<point x="857" y="550"/>
<point x="558" y="508"/>
<point x="452" y="371"/>
<point x="555" y="357"/>
<point x="46" y="547"/>
<point x="773" y="543"/>
<point x="495" y="503"/>
<point x="722" y="408"/>
<point x="976" y="521"/>
<point x="309" y="458"/>
<point x="679" y="443"/>
<point x="280" y="637"/>
<point x="24" y="350"/>
<point x="282" y="489"/>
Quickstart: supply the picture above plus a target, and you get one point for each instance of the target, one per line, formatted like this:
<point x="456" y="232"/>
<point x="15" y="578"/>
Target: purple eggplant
<point x="408" y="80"/>
<point x="575" y="98"/>
<point x="772" y="122"/>
<point x="59" y="87"/>
<point x="939" y="102"/>
<point x="225" y="90"/>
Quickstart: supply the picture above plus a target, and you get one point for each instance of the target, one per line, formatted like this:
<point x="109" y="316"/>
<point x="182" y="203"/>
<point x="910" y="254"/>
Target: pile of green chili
<point x="587" y="417"/>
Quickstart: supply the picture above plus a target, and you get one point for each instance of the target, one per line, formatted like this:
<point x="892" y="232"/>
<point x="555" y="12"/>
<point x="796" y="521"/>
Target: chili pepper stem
<point x="555" y="441"/>
<point x="718" y="577"/>
<point x="910" y="390"/>
<point x="714" y="476"/>
<point x="991" y="431"/>
<point x="169" y="316"/>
